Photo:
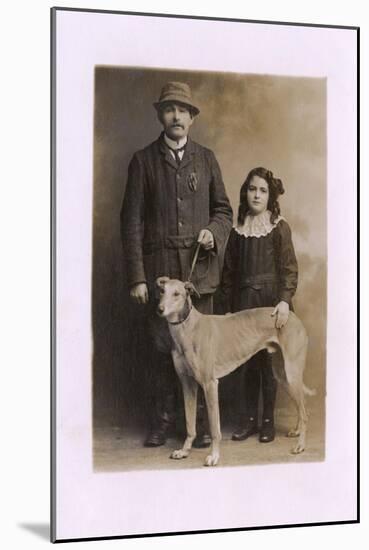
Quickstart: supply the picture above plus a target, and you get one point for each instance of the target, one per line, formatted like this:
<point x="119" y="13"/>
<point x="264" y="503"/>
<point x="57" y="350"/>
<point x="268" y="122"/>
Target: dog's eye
<point x="162" y="291"/>
<point x="176" y="294"/>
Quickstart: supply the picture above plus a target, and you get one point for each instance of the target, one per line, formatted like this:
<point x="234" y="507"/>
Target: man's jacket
<point x="164" y="208"/>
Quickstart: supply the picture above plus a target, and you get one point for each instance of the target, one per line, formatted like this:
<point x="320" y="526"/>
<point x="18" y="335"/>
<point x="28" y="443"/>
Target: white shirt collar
<point x="173" y="144"/>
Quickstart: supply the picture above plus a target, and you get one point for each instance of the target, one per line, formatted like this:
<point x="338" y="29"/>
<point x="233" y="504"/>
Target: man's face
<point x="176" y="120"/>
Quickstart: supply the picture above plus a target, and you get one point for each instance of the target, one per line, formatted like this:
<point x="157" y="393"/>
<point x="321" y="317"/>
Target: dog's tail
<point x="308" y="391"/>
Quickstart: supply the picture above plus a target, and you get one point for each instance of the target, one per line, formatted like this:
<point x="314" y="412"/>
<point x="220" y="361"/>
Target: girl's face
<point x="257" y="195"/>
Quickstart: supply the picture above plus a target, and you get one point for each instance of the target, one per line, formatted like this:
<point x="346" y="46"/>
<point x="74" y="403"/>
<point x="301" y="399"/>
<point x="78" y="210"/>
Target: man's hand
<point x="206" y="239"/>
<point x="282" y="311"/>
<point x="139" y="293"/>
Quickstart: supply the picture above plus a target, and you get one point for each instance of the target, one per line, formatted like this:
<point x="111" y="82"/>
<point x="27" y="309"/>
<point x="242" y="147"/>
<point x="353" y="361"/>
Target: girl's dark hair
<point x="275" y="186"/>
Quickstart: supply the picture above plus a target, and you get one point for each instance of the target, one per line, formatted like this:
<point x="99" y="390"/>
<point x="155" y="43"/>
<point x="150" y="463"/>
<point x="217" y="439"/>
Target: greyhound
<point x="208" y="347"/>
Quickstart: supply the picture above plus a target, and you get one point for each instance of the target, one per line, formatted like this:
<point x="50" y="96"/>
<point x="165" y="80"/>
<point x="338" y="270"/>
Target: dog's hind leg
<point x="189" y="386"/>
<point x="212" y="402"/>
<point x="295" y="389"/>
<point x="294" y="349"/>
<point x="300" y="430"/>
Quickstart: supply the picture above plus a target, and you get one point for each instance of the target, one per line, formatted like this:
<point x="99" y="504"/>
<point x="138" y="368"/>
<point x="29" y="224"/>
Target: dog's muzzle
<point x="160" y="310"/>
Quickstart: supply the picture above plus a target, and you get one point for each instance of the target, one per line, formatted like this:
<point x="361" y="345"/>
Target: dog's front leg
<point x="189" y="386"/>
<point x="212" y="403"/>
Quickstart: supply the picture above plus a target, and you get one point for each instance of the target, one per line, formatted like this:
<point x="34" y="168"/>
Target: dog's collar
<point x="182" y="320"/>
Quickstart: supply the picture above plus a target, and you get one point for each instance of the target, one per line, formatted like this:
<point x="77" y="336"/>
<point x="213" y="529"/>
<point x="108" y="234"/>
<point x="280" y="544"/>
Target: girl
<point x="260" y="269"/>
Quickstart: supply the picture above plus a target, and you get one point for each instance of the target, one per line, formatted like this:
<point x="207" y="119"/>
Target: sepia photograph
<point x="246" y="158"/>
<point x="204" y="249"/>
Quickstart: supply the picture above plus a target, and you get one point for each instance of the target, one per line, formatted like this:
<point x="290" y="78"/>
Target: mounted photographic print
<point x="204" y="182"/>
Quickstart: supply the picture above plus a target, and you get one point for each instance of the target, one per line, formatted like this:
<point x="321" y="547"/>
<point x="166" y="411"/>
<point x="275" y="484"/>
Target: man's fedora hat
<point x="176" y="92"/>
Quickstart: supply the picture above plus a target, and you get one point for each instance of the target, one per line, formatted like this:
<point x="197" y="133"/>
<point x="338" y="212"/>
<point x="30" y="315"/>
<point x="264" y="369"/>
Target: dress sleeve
<point x="287" y="263"/>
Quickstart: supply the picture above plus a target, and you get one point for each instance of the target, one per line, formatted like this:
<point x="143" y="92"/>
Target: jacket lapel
<point x="166" y="153"/>
<point x="168" y="157"/>
<point x="188" y="153"/>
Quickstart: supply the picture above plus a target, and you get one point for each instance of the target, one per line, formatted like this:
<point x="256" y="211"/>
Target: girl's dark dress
<point x="259" y="271"/>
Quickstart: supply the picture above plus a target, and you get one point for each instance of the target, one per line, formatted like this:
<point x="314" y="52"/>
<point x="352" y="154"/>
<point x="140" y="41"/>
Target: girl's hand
<point x="282" y="311"/>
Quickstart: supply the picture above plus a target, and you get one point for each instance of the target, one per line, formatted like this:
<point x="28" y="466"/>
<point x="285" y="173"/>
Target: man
<point x="174" y="199"/>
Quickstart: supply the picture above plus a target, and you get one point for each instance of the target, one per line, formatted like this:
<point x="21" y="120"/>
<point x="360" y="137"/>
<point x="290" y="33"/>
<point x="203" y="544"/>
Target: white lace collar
<point x="258" y="226"/>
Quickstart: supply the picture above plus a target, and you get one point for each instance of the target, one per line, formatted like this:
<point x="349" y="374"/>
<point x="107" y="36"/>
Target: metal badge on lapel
<point x="192" y="181"/>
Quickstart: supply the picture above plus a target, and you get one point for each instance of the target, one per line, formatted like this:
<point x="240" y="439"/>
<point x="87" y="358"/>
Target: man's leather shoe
<point x="267" y="432"/>
<point x="202" y="441"/>
<point x="155" y="439"/>
<point x="243" y="432"/>
<point x="158" y="436"/>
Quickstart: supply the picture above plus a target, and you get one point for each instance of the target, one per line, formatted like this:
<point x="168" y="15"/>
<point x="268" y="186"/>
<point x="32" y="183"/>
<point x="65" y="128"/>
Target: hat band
<point x="177" y="98"/>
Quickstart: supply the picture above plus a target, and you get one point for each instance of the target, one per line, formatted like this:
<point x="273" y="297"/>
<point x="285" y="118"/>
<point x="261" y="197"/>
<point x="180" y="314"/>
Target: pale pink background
<point x="93" y="505"/>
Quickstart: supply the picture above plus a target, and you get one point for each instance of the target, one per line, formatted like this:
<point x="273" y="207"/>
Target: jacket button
<point x="178" y="176"/>
<point x="180" y="224"/>
<point x="179" y="199"/>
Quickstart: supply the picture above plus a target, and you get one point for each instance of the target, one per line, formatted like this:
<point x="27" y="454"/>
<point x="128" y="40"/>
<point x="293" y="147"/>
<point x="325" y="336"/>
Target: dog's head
<point x="174" y="298"/>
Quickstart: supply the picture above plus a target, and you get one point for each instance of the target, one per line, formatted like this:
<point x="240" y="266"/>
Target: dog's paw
<point x="293" y="433"/>
<point x="298" y="449"/>
<point x="180" y="453"/>
<point x="211" y="460"/>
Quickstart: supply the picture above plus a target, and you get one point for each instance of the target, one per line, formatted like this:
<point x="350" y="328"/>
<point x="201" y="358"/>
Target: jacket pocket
<point x="254" y="286"/>
<point x="206" y="275"/>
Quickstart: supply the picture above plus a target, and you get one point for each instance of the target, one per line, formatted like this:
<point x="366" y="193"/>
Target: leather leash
<point x="194" y="261"/>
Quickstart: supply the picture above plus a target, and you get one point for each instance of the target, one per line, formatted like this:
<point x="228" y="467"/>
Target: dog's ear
<point x="161" y="281"/>
<point x="191" y="289"/>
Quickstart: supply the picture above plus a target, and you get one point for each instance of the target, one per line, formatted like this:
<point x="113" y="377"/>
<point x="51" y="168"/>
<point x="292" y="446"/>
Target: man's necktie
<point x="176" y="154"/>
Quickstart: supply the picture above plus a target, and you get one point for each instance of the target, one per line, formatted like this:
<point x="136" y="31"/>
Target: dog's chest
<point x="186" y="348"/>
<point x="184" y="359"/>
<point x="182" y="367"/>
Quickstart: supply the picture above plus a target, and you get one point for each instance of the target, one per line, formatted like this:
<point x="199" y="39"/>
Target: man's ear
<point x="161" y="281"/>
<point x="191" y="289"/>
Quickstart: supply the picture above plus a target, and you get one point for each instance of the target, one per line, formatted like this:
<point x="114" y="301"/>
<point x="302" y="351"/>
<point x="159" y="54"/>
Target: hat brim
<point x="160" y="104"/>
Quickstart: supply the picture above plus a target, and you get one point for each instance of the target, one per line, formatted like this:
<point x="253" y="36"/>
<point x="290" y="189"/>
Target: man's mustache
<point x="175" y="124"/>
